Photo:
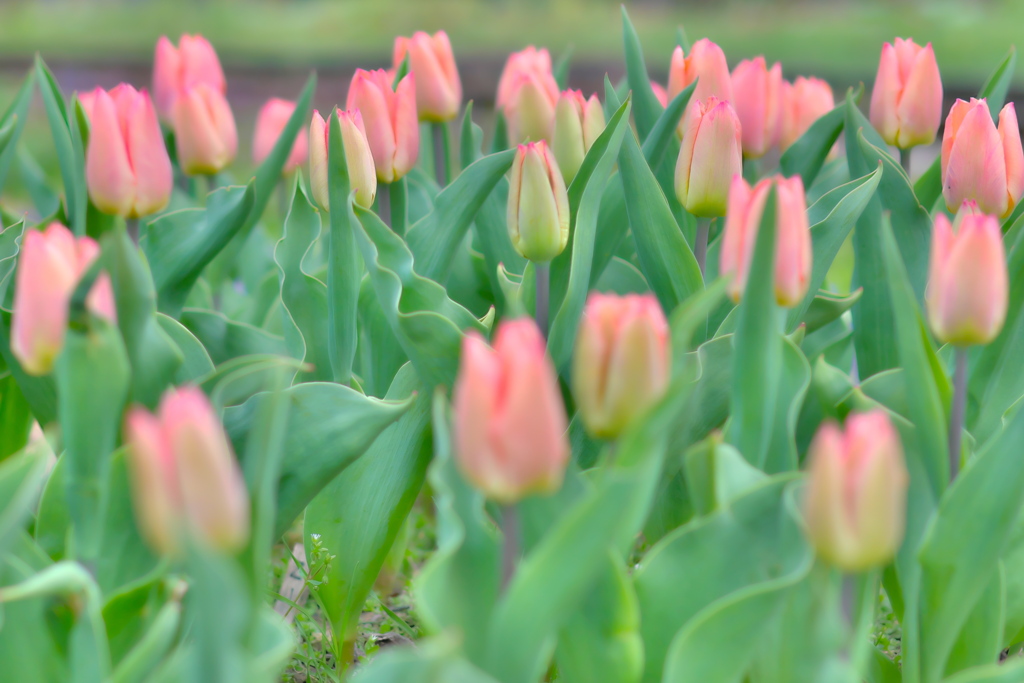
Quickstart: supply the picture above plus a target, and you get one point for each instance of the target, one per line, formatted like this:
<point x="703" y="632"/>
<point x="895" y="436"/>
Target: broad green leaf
<point x="716" y="474"/>
<point x="1009" y="672"/>
<point x="15" y="418"/>
<point x="344" y="270"/>
<point x="827" y="307"/>
<point x="561" y="68"/>
<point x="794" y="378"/>
<point x="68" y="143"/>
<point x="661" y="146"/>
<point x="225" y="339"/>
<point x="471" y="138"/>
<point x="379" y="353"/>
<point x="152" y="647"/>
<point x="807" y="155"/>
<point x="647" y="107"/>
<point x="40" y="392"/>
<point x="21" y="479"/>
<point x="981" y="637"/>
<point x="432" y="661"/>
<point x="491" y="233"/>
<point x="235" y="381"/>
<point x="12" y="123"/>
<point x="196" y="361"/>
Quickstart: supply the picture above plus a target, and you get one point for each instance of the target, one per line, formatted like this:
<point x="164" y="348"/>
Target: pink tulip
<point x="510" y="424"/>
<point x="270" y="123"/>
<point x="390" y="120"/>
<point x="906" y="102"/>
<point x="538" y="204"/>
<point x="660" y="93"/>
<point x="528" y="94"/>
<point x="967" y="281"/>
<point x="185" y="479"/>
<point x="710" y="155"/>
<point x="979" y="161"/>
<point x="804" y="101"/>
<point x="578" y="123"/>
<point x="705" y="64"/>
<point x="792" y="236"/>
<point x="49" y="268"/>
<point x="204" y="129"/>
<point x="438" y="88"/>
<point x="758" y="101"/>
<point x="856" y="498"/>
<point x="127" y="169"/>
<point x="361" y="175"/>
<point x="175" y="69"/>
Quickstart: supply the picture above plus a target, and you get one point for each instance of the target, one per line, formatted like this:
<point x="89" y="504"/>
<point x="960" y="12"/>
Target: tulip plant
<point x="600" y="401"/>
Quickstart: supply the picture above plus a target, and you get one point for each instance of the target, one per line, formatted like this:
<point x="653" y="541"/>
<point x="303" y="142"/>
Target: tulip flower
<point x="389" y="117"/>
<point x="538" y="205"/>
<point x="705" y="64"/>
<point x="981" y="162"/>
<point x="622" y="361"/>
<point x="49" y="268"/>
<point x="270" y="123"/>
<point x="804" y="101"/>
<point x="906" y="102"/>
<point x="361" y="175"/>
<point x="185" y="479"/>
<point x="204" y="129"/>
<point x="578" y="123"/>
<point x="792" y="236"/>
<point x="528" y="94"/>
<point x="127" y="169"/>
<point x="856" y="497"/>
<point x="175" y="69"/>
<point x="432" y="64"/>
<point x="710" y="155"/>
<point x="758" y="102"/>
<point x="967" y="281"/>
<point x="510" y="429"/>
<point x="660" y="93"/>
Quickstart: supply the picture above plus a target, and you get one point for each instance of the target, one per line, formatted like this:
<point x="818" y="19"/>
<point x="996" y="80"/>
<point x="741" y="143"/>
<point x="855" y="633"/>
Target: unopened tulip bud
<point x="710" y="155"/>
<point x="578" y="123"/>
<point x="538" y="205"/>
<point x="204" y="129"/>
<point x="981" y="162"/>
<point x="175" y="69"/>
<point x="622" y="361"/>
<point x="968" y="282"/>
<point x="906" y="102"/>
<point x="432" y="64"/>
<point x="757" y="92"/>
<point x="49" y="268"/>
<point x="792" y="236"/>
<point x="528" y="94"/>
<point x="270" y="124"/>
<point x="361" y="175"/>
<point x="185" y="479"/>
<point x="127" y="169"/>
<point x="705" y="64"/>
<point x="856" y="500"/>
<point x="510" y="423"/>
<point x="804" y="101"/>
<point x="389" y="118"/>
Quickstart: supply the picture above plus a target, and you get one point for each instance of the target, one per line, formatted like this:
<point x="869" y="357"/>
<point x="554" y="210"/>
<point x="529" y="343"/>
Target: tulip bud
<point x="804" y="101"/>
<point x="758" y="96"/>
<point x="270" y="123"/>
<point x="706" y="64"/>
<point x="578" y="123"/>
<point x="967" y="281"/>
<point x="185" y="479"/>
<point x="49" y="268"/>
<point x="622" y="361"/>
<point x="538" y="205"/>
<point x="528" y="94"/>
<point x="979" y="161"/>
<point x="906" y="102"/>
<point x="792" y="236"/>
<point x="389" y="117"/>
<point x="710" y="155"/>
<point x="510" y="424"/>
<point x="127" y="169"/>
<point x="432" y="64"/>
<point x="856" y="497"/>
<point x="361" y="175"/>
<point x="204" y="129"/>
<point x="193" y="62"/>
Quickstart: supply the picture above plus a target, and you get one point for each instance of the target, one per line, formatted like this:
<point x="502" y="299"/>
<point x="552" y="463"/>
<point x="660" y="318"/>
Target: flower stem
<point x="905" y="160"/>
<point x="440" y="153"/>
<point x="384" y="202"/>
<point x="510" y="545"/>
<point x="700" y="247"/>
<point x="543" y="291"/>
<point x="131" y="225"/>
<point x="956" y="412"/>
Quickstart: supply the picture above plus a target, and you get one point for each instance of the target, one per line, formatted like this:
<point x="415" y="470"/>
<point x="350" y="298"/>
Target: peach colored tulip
<point x="389" y="117"/>
<point x="967" y="281"/>
<point x="710" y="155"/>
<point x="192" y="63"/>
<point x="538" y="205"/>
<point x="361" y="175"/>
<point x="856" y="498"/>
<point x="804" y="101"/>
<point x="510" y="424"/>
<point x="49" y="268"/>
<point x="758" y="102"/>
<point x="705" y="64"/>
<point x="622" y="361"/>
<point x="88" y="101"/>
<point x="981" y="162"/>
<point x="438" y="88"/>
<point x="906" y="102"/>
<point x="528" y="94"/>
<point x="270" y="123"/>
<point x="127" y="169"/>
<point x="204" y="129"/>
<point x="578" y="123"/>
<point x="185" y="479"/>
<point x="792" y="236"/>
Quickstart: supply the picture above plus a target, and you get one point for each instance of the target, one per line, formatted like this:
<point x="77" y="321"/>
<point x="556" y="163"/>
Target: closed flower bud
<point x="49" y="268"/>
<point x="389" y="118"/>
<point x="967" y="281"/>
<point x="804" y="101"/>
<point x="432" y="64"/>
<point x="757" y="93"/>
<point x="710" y="155"/>
<point x="528" y="94"/>
<point x="705" y="64"/>
<point x="622" y="362"/>
<point x="192" y="63"/>
<point x="578" y="122"/>
<point x="510" y="424"/>
<point x="270" y="123"/>
<point x="185" y="479"/>
<point x="792" y="236"/>
<point x="906" y="102"/>
<point x="204" y="129"/>
<point x="361" y="175"/>
<point x="981" y="162"/>
<point x="127" y="169"/>
<point x="538" y="205"/>
<point x="856" y="496"/>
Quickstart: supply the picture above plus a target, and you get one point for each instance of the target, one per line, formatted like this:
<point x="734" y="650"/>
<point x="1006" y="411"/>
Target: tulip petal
<point x="1009" y="133"/>
<point x="154" y="177"/>
<point x="976" y="167"/>
<point x="108" y="168"/>
<point x="885" y="96"/>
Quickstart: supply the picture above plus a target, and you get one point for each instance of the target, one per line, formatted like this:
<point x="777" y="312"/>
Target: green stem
<point x="956" y="412"/>
<point x="700" y="246"/>
<point x="384" y="202"/>
<point x="510" y="545"/>
<point x="440" y="153"/>
<point x="542" y="271"/>
<point x="131" y="225"/>
<point x="905" y="160"/>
